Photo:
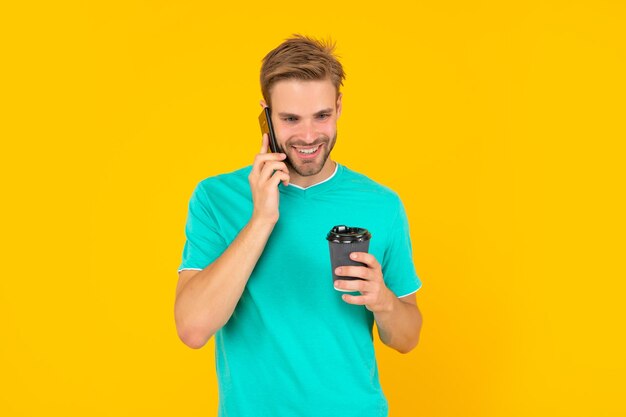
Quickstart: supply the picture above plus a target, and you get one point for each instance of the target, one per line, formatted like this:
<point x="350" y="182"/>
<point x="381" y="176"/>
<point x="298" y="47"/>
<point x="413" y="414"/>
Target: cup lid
<point x="346" y="234"/>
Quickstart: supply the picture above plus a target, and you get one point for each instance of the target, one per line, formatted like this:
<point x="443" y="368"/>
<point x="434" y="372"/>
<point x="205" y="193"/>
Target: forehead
<point x="302" y="96"/>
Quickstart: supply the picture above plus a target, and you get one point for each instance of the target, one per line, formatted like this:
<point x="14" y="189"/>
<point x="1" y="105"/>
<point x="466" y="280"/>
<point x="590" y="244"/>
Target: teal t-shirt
<point x="293" y="347"/>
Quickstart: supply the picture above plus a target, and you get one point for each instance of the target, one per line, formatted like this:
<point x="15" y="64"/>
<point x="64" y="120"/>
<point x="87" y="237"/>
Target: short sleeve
<point x="203" y="242"/>
<point x="398" y="268"/>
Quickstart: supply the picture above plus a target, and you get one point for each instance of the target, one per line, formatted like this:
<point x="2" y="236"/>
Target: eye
<point x="290" y="119"/>
<point x="324" y="116"/>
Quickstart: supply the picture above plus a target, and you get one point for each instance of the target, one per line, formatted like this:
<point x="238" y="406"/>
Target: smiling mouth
<point x="307" y="150"/>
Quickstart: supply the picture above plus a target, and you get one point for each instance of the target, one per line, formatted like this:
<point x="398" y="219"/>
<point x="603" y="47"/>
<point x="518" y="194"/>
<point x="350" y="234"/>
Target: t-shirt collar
<point x="314" y="188"/>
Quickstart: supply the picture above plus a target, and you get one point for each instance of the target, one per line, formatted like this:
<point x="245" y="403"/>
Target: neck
<point x="327" y="170"/>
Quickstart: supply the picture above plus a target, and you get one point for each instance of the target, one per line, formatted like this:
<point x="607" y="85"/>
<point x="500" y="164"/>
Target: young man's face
<point x="304" y="114"/>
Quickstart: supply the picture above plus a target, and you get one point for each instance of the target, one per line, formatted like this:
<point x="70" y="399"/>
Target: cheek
<point x="331" y="133"/>
<point x="328" y="129"/>
<point x="283" y="133"/>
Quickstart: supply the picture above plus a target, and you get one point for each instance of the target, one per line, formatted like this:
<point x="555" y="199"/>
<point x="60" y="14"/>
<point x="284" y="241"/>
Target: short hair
<point x="302" y="58"/>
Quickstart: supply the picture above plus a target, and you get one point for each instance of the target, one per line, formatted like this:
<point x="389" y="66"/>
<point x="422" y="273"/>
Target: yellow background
<point x="500" y="124"/>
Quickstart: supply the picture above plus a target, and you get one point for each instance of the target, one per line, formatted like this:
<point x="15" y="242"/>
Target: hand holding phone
<point x="268" y="170"/>
<point x="265" y="120"/>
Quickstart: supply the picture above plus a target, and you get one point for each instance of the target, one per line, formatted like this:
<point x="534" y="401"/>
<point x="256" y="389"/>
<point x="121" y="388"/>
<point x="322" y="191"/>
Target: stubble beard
<point x="306" y="168"/>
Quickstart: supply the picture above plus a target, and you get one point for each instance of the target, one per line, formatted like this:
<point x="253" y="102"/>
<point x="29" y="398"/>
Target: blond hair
<point x="302" y="58"/>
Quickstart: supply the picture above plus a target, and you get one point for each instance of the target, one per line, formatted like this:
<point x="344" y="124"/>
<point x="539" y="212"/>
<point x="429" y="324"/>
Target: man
<point x="256" y="267"/>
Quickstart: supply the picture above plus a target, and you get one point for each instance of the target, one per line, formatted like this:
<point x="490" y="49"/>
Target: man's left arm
<point x="399" y="320"/>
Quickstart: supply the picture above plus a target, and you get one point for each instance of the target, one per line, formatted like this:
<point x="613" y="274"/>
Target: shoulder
<point x="233" y="180"/>
<point x="359" y="182"/>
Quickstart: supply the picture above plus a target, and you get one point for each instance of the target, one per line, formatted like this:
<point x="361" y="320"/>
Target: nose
<point x="308" y="133"/>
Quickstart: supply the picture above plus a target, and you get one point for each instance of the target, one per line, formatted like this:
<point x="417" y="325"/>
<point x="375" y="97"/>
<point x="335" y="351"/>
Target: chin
<point x="307" y="169"/>
<point x="312" y="166"/>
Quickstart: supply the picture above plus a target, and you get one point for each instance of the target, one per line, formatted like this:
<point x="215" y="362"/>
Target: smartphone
<point x="265" y="120"/>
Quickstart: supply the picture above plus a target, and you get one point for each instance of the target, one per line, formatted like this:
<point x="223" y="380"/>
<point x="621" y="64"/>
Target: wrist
<point x="390" y="303"/>
<point x="260" y="222"/>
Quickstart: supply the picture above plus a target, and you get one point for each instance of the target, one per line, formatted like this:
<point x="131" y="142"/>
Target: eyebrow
<point x="328" y="110"/>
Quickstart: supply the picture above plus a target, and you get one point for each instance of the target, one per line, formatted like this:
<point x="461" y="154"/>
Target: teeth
<point x="308" y="151"/>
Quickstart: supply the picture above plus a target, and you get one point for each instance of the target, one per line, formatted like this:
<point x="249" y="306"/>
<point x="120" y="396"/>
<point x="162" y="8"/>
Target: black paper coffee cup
<point x="343" y="240"/>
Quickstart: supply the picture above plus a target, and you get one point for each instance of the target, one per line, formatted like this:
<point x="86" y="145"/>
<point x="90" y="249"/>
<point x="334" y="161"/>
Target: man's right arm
<point x="206" y="299"/>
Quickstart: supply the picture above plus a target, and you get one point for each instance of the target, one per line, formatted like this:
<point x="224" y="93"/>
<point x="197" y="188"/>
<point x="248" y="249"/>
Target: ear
<point x="262" y="103"/>
<point x="339" y="105"/>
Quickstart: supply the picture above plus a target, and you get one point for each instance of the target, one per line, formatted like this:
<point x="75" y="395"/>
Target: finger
<point x="278" y="177"/>
<point x="270" y="167"/>
<point x="353" y="271"/>
<point x="261" y="159"/>
<point x="366" y="258"/>
<point x="360" y="300"/>
<point x="352" y="285"/>
<point x="264" y="143"/>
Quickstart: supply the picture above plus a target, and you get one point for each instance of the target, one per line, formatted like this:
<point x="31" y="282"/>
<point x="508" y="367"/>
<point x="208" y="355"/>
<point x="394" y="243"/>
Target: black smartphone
<point x="265" y="120"/>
